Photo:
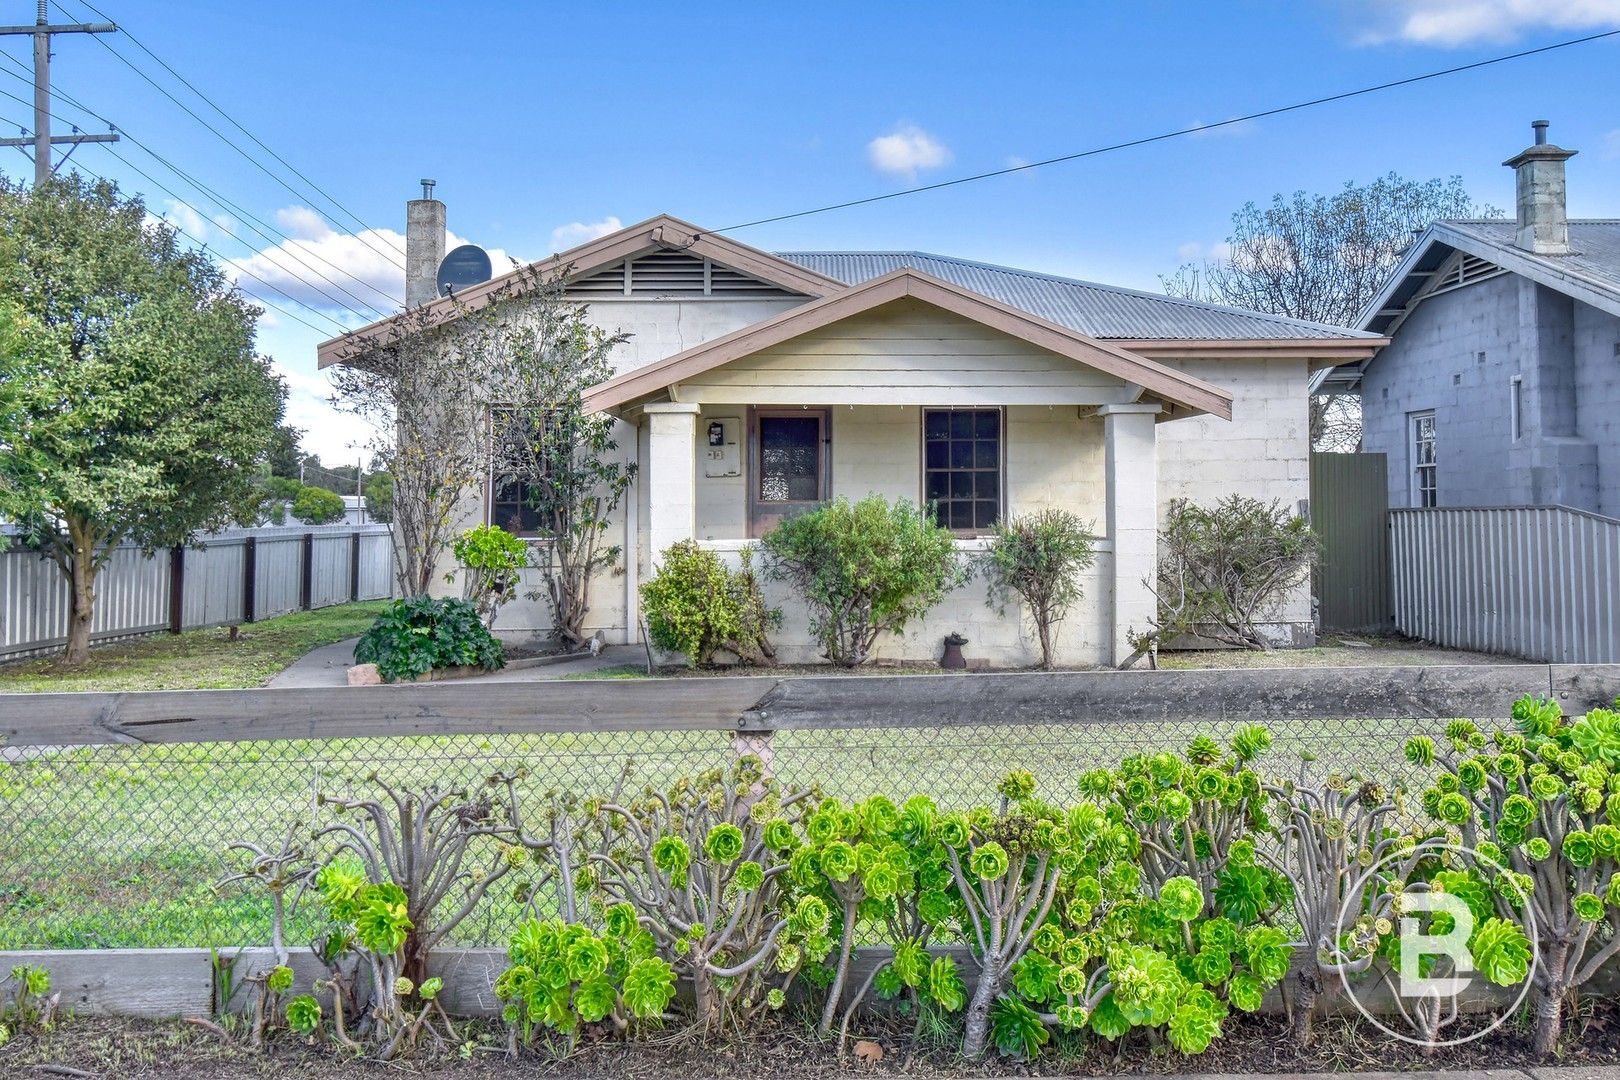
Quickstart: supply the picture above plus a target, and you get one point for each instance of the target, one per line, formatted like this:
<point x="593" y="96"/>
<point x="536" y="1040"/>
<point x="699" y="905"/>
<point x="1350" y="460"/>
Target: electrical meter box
<point x="722" y="452"/>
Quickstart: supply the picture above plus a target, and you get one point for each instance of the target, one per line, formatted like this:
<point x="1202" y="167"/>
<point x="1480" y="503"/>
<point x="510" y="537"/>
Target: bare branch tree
<point x="1323" y="258"/>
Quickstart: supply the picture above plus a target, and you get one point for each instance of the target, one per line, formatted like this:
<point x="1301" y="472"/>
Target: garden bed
<point x="789" y="1050"/>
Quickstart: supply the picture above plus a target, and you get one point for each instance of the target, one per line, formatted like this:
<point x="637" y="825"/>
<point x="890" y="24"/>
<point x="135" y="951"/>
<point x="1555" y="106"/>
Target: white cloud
<point x="575" y="233"/>
<point x="187" y="219"/>
<point x="335" y="436"/>
<point x="334" y="271"/>
<point x="1611" y="145"/>
<point x="1463" y="22"/>
<point x="907" y="150"/>
<point x="302" y="223"/>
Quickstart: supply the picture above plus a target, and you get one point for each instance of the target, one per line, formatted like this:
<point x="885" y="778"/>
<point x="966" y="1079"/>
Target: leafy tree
<point x="379" y="492"/>
<point x="545" y="356"/>
<point x="143" y="414"/>
<point x="317" y="506"/>
<point x="863" y="569"/>
<point x="1323" y="258"/>
<point x="1038" y="558"/>
<point x="284" y="455"/>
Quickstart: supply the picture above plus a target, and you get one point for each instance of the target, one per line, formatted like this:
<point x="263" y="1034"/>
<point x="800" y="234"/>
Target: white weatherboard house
<point x="754" y="384"/>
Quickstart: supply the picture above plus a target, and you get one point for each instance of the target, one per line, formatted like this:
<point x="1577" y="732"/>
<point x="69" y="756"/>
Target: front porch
<point x="910" y="388"/>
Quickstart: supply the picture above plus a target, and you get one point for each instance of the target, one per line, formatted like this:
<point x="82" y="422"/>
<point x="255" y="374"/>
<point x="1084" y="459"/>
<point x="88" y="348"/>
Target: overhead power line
<point x="385" y="252"/>
<point x="189" y="85"/>
<point x="1180" y="132"/>
<point x="336" y="303"/>
<point x="264" y="229"/>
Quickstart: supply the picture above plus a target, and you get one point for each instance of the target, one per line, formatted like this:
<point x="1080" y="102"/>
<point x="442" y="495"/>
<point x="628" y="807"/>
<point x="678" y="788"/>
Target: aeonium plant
<point x="1545" y="801"/>
<point x="565" y="975"/>
<point x="692" y="863"/>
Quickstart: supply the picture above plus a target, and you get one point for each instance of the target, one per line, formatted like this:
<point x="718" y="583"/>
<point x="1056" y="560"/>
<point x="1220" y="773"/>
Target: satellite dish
<point x="463" y="268"/>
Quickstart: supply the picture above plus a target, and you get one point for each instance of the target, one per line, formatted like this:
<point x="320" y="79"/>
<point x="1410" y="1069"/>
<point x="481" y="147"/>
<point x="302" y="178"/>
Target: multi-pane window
<point x="512" y="500"/>
<point x="1425" y="488"/>
<point x="962" y="467"/>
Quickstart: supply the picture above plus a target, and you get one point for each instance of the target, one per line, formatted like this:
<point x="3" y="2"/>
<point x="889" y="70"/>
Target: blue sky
<point x="545" y="123"/>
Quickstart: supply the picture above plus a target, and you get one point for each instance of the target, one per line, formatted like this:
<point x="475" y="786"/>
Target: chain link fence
<point x="120" y="845"/>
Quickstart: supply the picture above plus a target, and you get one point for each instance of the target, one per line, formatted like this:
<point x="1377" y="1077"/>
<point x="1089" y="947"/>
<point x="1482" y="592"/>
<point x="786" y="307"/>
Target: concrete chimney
<point x="1539" y="177"/>
<point x="424" y="246"/>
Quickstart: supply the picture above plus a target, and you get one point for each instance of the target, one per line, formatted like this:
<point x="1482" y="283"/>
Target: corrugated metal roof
<point x="1101" y="311"/>
<point x="1595" y="242"/>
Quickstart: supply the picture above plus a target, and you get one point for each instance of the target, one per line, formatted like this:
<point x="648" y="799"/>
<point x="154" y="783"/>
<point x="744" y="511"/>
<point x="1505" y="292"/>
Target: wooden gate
<point x="1349" y="510"/>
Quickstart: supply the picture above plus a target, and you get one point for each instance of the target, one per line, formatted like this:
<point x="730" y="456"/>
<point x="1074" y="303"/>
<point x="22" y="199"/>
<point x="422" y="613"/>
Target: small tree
<point x="493" y="560"/>
<point x="418" y="384"/>
<point x="317" y="506"/>
<point x="1223" y="569"/>
<point x="142" y="414"/>
<point x="547" y="354"/>
<point x="863" y="569"/>
<point x="697" y="607"/>
<point x="1038" y="558"/>
<point x="379" y="491"/>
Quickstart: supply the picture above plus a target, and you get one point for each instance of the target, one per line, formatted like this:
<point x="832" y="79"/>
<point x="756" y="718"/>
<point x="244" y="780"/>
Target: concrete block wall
<point x="1263" y="452"/>
<point x="1458" y="354"/>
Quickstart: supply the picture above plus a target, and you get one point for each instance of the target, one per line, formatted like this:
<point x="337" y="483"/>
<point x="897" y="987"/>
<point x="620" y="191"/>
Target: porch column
<point x="1132" y="466"/>
<point x="670" y="473"/>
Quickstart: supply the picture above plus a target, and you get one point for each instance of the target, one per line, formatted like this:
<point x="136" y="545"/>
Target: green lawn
<point x="197" y="659"/>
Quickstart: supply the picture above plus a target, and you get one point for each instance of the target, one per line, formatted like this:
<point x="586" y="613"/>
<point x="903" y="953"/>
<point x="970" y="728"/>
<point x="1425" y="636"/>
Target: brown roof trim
<point x="1173" y="386"/>
<point x="1339" y="349"/>
<point x="662" y="231"/>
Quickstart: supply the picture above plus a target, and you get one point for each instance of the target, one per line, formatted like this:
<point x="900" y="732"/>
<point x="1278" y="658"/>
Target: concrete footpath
<point x="329" y="665"/>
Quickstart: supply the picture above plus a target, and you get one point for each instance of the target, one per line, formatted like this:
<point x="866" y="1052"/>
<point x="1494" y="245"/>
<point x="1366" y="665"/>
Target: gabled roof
<point x="1590" y="273"/>
<point x="661" y="232"/>
<point x="1158" y="380"/>
<point x="1098" y="311"/>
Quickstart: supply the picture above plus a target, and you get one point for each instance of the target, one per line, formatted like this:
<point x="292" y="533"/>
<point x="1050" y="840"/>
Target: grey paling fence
<point x="1541" y="582"/>
<point x="116" y="810"/>
<point x="234" y="576"/>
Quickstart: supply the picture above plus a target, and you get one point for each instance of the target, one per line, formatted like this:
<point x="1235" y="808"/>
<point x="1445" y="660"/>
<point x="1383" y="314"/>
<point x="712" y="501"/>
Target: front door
<point x="787" y="465"/>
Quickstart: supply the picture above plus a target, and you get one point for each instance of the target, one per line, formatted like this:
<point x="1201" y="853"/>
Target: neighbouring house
<point x="1501" y="382"/>
<point x="754" y="384"/>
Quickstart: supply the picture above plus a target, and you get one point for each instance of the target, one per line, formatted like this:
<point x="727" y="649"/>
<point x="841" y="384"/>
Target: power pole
<point x="42" y="140"/>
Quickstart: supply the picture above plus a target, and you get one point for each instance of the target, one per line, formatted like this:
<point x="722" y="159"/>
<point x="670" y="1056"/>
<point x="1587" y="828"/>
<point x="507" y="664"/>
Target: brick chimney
<point x="1539" y="176"/>
<point x="424" y="246"/>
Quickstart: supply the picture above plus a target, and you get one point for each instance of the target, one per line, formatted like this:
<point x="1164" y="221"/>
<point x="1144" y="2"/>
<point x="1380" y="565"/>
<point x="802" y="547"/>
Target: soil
<point x="788" y="1050"/>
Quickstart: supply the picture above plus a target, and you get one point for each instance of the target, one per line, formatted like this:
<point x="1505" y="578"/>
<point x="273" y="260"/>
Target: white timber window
<point x="1425" y="488"/>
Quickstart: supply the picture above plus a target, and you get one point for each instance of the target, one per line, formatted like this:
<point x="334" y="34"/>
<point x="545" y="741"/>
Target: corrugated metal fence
<point x="1541" y="582"/>
<point x="235" y="576"/>
<point x="1349" y="495"/>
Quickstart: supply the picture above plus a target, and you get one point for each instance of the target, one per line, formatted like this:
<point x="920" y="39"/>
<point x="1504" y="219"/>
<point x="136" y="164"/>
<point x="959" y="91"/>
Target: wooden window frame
<point x="1001" y="461"/>
<point x="1415" y="487"/>
<point x="489" y="479"/>
<point x="751" y="500"/>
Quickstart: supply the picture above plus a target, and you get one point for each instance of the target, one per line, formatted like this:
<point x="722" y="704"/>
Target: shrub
<point x="863" y="569"/>
<point x="1038" y="559"/>
<point x="564" y="974"/>
<point x="494" y="560"/>
<point x="419" y="634"/>
<point x="1543" y="802"/>
<point x="1223" y="569"/>
<point x="696" y="606"/>
<point x="29" y="1005"/>
<point x="317" y="506"/>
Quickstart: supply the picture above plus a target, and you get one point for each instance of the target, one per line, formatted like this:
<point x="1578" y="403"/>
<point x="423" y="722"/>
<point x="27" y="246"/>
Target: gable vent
<point x="1466" y="271"/>
<point x="609" y="281"/>
<point x="672" y="274"/>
